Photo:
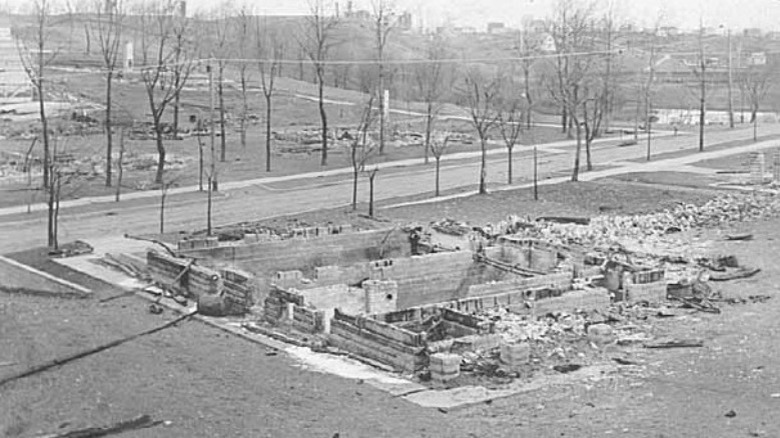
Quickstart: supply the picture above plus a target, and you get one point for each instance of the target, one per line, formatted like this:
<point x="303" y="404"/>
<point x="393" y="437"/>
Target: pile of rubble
<point x="604" y="231"/>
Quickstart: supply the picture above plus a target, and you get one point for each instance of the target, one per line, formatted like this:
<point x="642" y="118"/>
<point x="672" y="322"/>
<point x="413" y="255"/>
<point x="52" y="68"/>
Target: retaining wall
<point x="307" y="253"/>
<point x="402" y="349"/>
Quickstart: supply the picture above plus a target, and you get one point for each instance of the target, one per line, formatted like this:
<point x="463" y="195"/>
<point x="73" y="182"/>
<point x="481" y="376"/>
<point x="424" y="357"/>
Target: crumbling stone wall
<point x="264" y="258"/>
<point x="402" y="349"/>
<point x="183" y="276"/>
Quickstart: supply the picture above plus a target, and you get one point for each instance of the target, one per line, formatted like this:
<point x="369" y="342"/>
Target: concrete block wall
<point x="651" y="292"/>
<point x="239" y="290"/>
<point x="198" y="243"/>
<point x="195" y="282"/>
<point x="349" y="299"/>
<point x="308" y="320"/>
<point x="420" y="280"/>
<point x="587" y="299"/>
<point x="307" y="253"/>
<point x="437" y="278"/>
<point x="561" y="280"/>
<point x="399" y="348"/>
<point x="380" y="296"/>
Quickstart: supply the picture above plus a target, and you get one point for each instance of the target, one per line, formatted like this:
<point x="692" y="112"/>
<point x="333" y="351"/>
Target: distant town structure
<point x="753" y="32"/>
<point x="14" y="82"/>
<point x="129" y="57"/>
<point x="496" y="27"/>
<point x="757" y="58"/>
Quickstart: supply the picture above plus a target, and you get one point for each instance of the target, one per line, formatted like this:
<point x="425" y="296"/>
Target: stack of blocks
<point x="757" y="167"/>
<point x="515" y="356"/>
<point x="444" y="367"/>
<point x="776" y="167"/>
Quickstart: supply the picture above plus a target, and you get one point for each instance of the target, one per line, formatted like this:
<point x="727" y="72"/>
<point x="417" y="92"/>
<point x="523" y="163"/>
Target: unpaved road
<point x="209" y="384"/>
<point x="188" y="211"/>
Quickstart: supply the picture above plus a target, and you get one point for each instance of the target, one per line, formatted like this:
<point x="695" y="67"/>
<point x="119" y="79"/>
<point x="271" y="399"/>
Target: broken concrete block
<point x="601" y="334"/>
<point x="652" y="292"/>
<point x="515" y="355"/>
<point x="212" y="305"/>
<point x="476" y="343"/>
<point x="444" y="367"/>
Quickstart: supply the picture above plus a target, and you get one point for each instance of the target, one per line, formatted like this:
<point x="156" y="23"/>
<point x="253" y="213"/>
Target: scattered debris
<point x="675" y="343"/>
<point x="734" y="274"/>
<point x="739" y="237"/>
<point x="137" y="423"/>
<point x="568" y="368"/>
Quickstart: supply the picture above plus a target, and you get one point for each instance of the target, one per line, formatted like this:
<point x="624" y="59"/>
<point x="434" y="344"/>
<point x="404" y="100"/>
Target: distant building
<point x="753" y="32"/>
<point x="537" y="26"/>
<point x="628" y="28"/>
<point x="496" y="27"/>
<point x="404" y="21"/>
<point x="757" y="58"/>
<point x="670" y="31"/>
<point x="181" y="8"/>
<point x="773" y="36"/>
<point x="547" y="43"/>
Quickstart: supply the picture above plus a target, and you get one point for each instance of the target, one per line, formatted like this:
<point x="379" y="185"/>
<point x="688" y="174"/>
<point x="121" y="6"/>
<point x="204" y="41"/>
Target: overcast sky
<point x="682" y="13"/>
<point x="737" y="14"/>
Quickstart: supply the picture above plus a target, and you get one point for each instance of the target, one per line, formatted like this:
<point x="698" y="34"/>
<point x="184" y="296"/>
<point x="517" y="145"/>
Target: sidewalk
<point x="677" y="164"/>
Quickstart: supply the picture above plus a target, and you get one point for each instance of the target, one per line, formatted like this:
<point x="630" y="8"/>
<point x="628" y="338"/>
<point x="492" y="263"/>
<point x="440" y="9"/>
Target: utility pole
<point x="731" y="82"/>
<point x="703" y="79"/>
<point x="536" y="177"/>
<point x="213" y="178"/>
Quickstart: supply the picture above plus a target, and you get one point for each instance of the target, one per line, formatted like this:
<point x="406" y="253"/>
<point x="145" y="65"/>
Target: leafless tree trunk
<point x="371" y="178"/>
<point x="120" y="164"/>
<point x="479" y="96"/>
<point x="316" y="39"/>
<point x="361" y="151"/>
<point x="161" y="90"/>
<point x="438" y="147"/>
<point x="35" y="57"/>
<point x="270" y="51"/>
<point x="432" y="82"/>
<point x="756" y="85"/>
<point x="383" y="22"/>
<point x="510" y="123"/>
<point x="243" y="33"/>
<point x="110" y="33"/>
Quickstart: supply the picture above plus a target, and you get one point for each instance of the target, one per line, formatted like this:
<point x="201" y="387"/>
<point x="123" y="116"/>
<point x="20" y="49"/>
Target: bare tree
<point x="647" y="85"/>
<point x="35" y="55"/>
<point x="159" y="79"/>
<point x="432" y="81"/>
<point x="527" y="48"/>
<point x="109" y="29"/>
<point x="439" y="145"/>
<point x="479" y="97"/>
<point x="182" y="38"/>
<point x="270" y="51"/>
<point x="164" y="187"/>
<point x="361" y="148"/>
<point x="242" y="36"/>
<point x="701" y="75"/>
<point x="571" y="29"/>
<point x="756" y="85"/>
<point x="371" y="184"/>
<point x="221" y="52"/>
<point x="383" y="23"/>
<point x="510" y="123"/>
<point x="316" y="40"/>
